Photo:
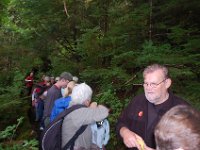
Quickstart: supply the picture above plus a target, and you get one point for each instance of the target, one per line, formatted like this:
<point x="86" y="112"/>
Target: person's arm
<point x="33" y="97"/>
<point x="131" y="139"/>
<point x="124" y="126"/>
<point x="28" y="79"/>
<point x="90" y="114"/>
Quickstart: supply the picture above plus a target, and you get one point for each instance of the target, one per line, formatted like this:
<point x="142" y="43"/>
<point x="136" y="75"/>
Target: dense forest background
<point x="106" y="43"/>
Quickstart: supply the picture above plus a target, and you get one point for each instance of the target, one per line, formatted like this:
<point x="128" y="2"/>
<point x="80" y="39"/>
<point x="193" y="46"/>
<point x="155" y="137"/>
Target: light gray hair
<point x="155" y="67"/>
<point x="75" y="78"/>
<point x="80" y="94"/>
<point x="178" y="127"/>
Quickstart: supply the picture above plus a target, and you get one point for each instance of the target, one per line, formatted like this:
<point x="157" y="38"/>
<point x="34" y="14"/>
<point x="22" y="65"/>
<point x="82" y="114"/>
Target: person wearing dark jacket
<point x="138" y="120"/>
<point x="54" y="93"/>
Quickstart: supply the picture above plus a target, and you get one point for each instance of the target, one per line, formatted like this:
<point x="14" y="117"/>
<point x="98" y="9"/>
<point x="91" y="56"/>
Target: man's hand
<point x="131" y="139"/>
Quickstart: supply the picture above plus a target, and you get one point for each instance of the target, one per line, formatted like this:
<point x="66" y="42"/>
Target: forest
<point x="105" y="43"/>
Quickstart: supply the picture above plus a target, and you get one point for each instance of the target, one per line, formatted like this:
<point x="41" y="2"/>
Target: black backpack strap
<point x="51" y="138"/>
<point x="71" y="142"/>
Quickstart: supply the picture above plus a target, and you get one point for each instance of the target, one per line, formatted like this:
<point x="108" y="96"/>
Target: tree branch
<point x="65" y="8"/>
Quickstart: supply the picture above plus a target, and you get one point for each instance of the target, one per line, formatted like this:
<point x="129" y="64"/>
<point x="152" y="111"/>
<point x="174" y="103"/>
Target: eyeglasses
<point x="153" y="85"/>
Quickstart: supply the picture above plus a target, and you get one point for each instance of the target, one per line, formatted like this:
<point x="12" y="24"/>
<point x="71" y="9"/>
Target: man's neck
<point x="165" y="98"/>
<point x="58" y="85"/>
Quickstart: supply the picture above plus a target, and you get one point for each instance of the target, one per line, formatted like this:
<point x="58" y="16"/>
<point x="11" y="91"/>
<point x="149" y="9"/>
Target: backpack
<point x="51" y="138"/>
<point x="100" y="133"/>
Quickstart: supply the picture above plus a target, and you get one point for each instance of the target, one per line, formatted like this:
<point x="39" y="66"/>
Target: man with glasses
<point x="138" y="120"/>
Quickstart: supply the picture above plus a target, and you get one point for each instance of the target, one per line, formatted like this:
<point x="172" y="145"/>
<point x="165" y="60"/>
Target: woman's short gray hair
<point x="81" y="93"/>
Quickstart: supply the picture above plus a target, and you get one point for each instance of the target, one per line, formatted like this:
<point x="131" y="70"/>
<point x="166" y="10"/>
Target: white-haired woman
<point x="88" y="115"/>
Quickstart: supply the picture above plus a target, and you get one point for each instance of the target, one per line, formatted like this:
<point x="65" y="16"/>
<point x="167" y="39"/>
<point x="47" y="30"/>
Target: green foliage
<point x="178" y="34"/>
<point x="106" y="79"/>
<point x="10" y="93"/>
<point x="10" y="131"/>
<point x="105" y="43"/>
<point x="189" y="89"/>
<point x="126" y="60"/>
<point x="31" y="144"/>
<point x="11" y="105"/>
<point x="110" y="99"/>
<point x="7" y="132"/>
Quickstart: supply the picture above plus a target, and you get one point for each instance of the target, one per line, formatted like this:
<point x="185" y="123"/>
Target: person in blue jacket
<point x="62" y="103"/>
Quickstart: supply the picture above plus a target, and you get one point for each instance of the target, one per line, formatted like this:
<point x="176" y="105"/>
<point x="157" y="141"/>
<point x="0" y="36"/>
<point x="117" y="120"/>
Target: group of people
<point x="37" y="91"/>
<point x="63" y="94"/>
<point x="157" y="119"/>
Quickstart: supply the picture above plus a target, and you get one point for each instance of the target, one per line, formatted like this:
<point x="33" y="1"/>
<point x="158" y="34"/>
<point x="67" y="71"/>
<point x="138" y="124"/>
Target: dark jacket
<point x="52" y="94"/>
<point x="135" y="116"/>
